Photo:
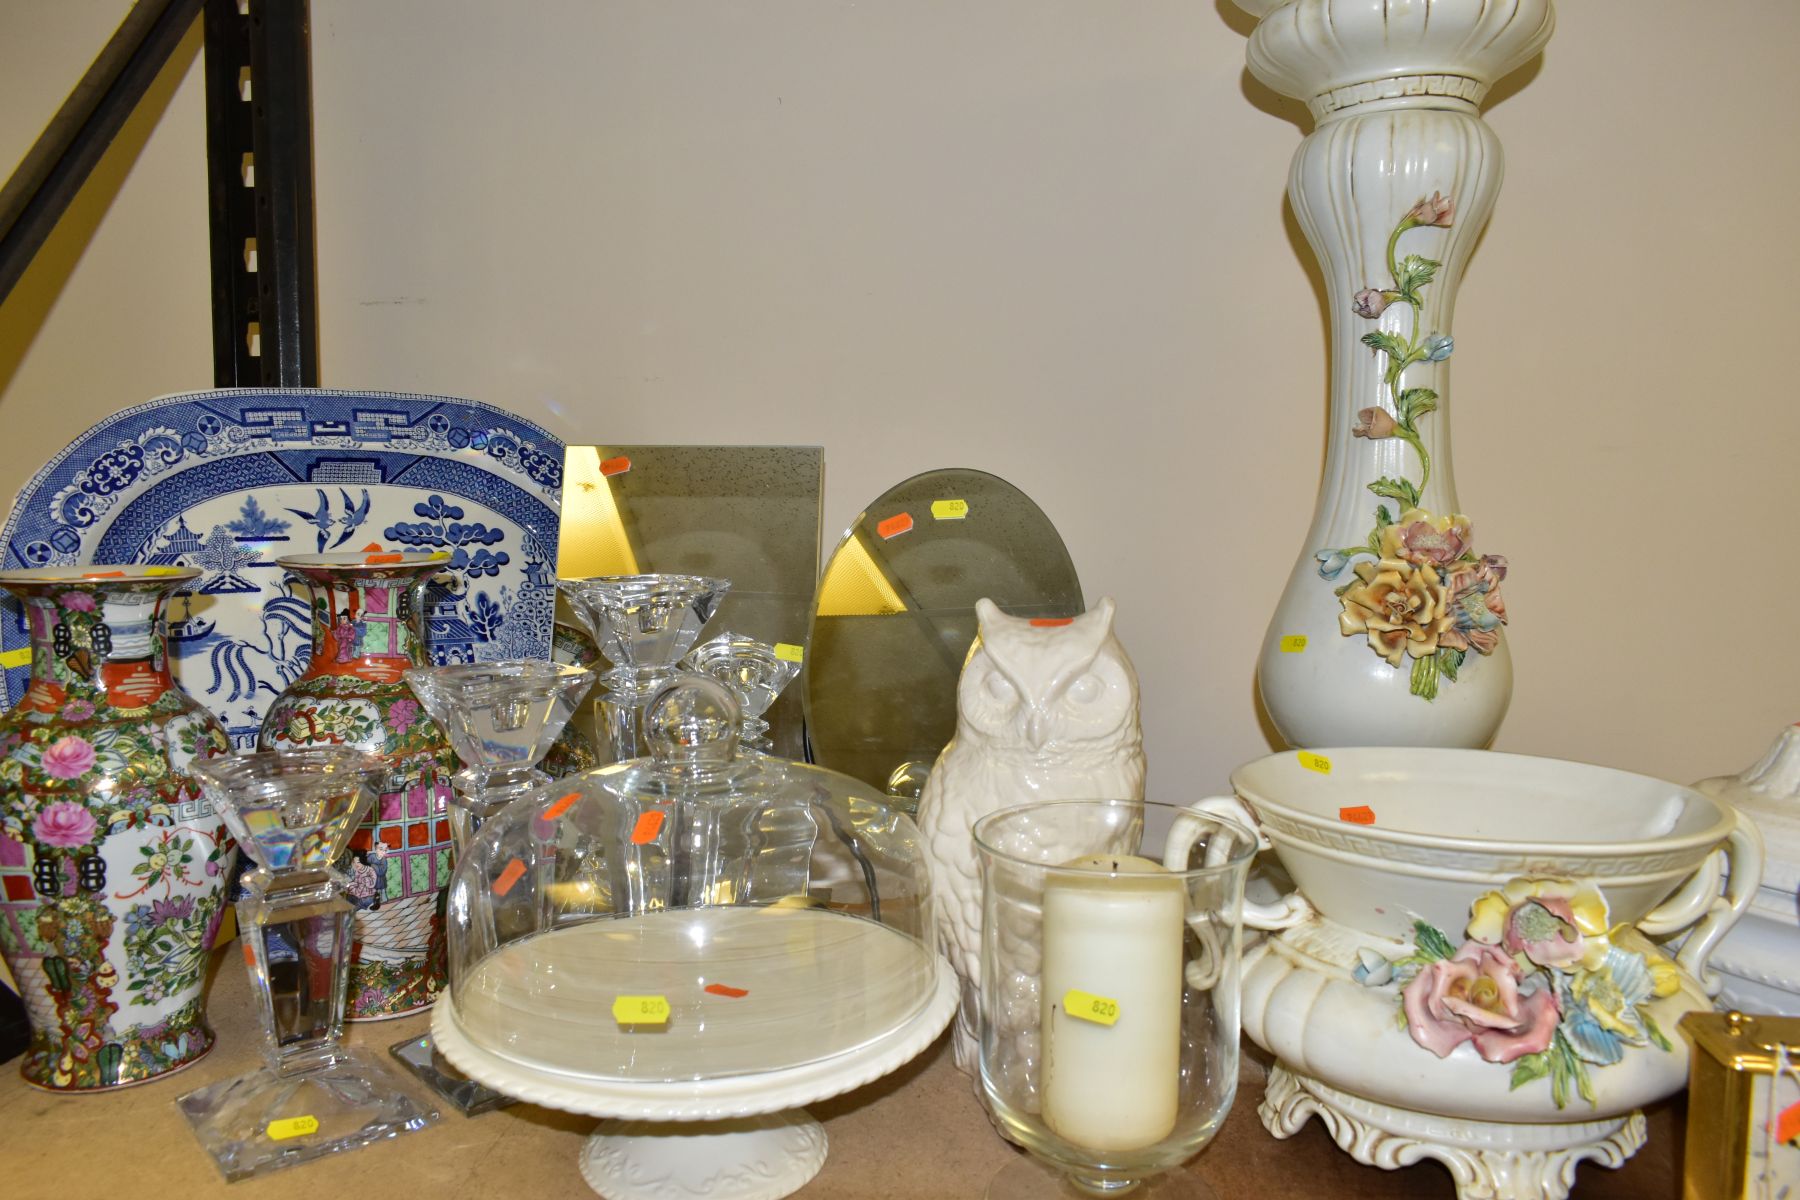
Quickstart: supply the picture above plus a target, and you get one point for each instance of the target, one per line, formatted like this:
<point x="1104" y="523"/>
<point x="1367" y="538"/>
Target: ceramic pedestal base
<point x="1489" y="1160"/>
<point x="752" y="1158"/>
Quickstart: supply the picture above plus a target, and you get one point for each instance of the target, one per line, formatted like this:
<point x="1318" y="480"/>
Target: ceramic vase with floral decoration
<point x="112" y="863"/>
<point x="1390" y="630"/>
<point x="367" y="630"/>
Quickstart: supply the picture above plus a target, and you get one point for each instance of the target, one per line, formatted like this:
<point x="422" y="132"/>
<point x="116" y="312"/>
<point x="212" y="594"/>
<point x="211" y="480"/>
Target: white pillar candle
<point x="1117" y="936"/>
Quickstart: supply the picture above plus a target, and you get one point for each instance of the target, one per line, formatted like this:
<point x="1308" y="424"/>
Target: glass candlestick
<point x="756" y="672"/>
<point x="643" y="625"/>
<point x="293" y="812"/>
<point x="501" y="717"/>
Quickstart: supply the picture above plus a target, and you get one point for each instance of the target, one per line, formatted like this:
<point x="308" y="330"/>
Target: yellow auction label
<point x="292" y="1127"/>
<point x="1315" y="762"/>
<point x="641" y="1010"/>
<point x="16" y="658"/>
<point x="1293" y="643"/>
<point x="788" y="652"/>
<point x="1089" y="1007"/>
<point x="165" y="570"/>
<point x="949" y="510"/>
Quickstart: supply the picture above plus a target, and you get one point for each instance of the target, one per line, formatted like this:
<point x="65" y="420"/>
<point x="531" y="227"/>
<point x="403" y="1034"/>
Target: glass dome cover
<point x="692" y="915"/>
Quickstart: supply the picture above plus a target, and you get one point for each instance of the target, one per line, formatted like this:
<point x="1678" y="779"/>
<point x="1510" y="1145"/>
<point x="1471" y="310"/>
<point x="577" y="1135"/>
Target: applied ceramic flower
<point x="1474" y="996"/>
<point x="1373" y="423"/>
<point x="1544" y="983"/>
<point x="1436" y="209"/>
<point x="1552" y="922"/>
<point x="1402" y="607"/>
<point x="1420" y="537"/>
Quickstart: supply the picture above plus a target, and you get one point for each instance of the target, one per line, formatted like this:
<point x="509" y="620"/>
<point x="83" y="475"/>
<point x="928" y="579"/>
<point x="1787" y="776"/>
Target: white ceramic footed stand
<point x="742" y="1137"/>
<point x="1489" y="1160"/>
<point x="1395" y="90"/>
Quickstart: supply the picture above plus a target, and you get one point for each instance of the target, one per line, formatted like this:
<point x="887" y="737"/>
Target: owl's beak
<point x="1037" y="729"/>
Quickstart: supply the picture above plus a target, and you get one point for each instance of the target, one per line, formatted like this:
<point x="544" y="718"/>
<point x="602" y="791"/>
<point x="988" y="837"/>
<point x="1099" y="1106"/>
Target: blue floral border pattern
<point x="305" y="471"/>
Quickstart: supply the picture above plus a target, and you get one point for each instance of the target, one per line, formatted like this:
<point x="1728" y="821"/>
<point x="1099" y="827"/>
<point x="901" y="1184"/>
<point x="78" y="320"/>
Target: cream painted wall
<point x="1045" y="238"/>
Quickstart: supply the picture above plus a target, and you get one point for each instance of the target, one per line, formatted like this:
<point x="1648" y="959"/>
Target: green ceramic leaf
<point x="1430" y="941"/>
<point x="1396" y="489"/>
<point x="1416" y="402"/>
<point x="1415" y="272"/>
<point x="1385" y="343"/>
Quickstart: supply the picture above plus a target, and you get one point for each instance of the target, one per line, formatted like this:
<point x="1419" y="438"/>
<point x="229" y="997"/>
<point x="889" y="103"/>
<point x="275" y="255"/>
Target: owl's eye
<point x="1085" y="690"/>
<point x="999" y="688"/>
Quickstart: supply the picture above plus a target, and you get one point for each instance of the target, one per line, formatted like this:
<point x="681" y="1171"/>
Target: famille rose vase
<point x="112" y="864"/>
<point x="367" y="630"/>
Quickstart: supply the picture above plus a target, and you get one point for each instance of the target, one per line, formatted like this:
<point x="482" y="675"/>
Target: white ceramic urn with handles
<point x="1390" y="630"/>
<point x="1478" y="964"/>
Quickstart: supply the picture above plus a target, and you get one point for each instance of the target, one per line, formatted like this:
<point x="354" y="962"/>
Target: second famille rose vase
<point x="113" y="865"/>
<point x="367" y="630"/>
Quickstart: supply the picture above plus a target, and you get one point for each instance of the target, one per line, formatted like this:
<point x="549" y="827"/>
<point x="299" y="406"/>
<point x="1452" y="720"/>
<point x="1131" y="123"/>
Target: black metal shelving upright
<point x="259" y="168"/>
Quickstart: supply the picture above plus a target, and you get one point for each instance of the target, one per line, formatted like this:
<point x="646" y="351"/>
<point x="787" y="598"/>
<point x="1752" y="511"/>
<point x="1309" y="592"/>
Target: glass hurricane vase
<point x="1109" y="994"/>
<point x="294" y="812"/>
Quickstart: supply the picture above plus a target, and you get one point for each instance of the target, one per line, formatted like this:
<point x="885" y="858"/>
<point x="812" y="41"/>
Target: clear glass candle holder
<point x="1110" y="949"/>
<point x="293" y="813"/>
<point x="756" y="672"/>
<point x="643" y="625"/>
<point x="501" y="717"/>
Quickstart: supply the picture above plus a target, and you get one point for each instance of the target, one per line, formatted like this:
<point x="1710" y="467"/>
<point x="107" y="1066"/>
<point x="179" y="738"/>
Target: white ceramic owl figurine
<point x="1046" y="710"/>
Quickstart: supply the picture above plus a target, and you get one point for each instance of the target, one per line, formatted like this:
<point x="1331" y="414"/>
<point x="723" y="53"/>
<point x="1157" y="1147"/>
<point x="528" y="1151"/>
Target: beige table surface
<point x="919" y="1133"/>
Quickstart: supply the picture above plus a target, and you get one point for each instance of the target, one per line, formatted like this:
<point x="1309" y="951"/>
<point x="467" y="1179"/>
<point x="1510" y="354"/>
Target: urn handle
<point x="1702" y="904"/>
<point x="1292" y="909"/>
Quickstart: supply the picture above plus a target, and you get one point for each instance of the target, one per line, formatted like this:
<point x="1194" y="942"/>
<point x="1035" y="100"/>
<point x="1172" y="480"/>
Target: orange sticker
<point x="249" y="955"/>
<point x="1362" y="814"/>
<point x="104" y="575"/>
<point x="515" y="871"/>
<point x="719" y="989"/>
<point x="615" y="466"/>
<point x="372" y="559"/>
<point x="1052" y="622"/>
<point x="1787" y="1125"/>
<point x="647" y="827"/>
<point x="895" y="526"/>
<point x="561" y="806"/>
<point x="372" y="548"/>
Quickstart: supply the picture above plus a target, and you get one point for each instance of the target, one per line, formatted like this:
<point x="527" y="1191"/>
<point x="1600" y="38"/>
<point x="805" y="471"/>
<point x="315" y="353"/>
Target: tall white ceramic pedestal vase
<point x="1389" y="630"/>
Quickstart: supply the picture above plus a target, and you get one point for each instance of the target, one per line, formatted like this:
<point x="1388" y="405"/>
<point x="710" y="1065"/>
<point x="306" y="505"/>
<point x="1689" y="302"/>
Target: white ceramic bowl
<point x="1444" y="826"/>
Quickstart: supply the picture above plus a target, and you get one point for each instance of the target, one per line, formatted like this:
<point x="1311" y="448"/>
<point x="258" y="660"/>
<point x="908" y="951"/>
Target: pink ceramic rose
<point x="1474" y="996"/>
<point x="68" y="757"/>
<point x="65" y="825"/>
<point x="1436" y="209"/>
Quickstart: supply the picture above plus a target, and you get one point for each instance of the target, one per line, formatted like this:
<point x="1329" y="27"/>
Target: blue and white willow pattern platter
<point x="229" y="480"/>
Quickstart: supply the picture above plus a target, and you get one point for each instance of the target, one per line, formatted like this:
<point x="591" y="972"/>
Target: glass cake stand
<point x="292" y="812"/>
<point x="693" y="945"/>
